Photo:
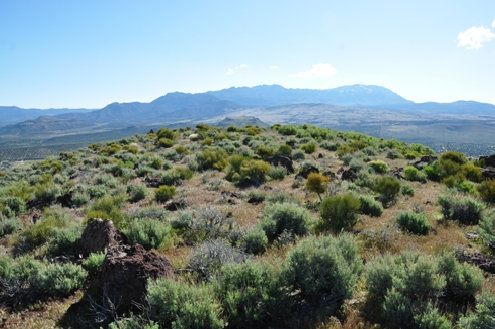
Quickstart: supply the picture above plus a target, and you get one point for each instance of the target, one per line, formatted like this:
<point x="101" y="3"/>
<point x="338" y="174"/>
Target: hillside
<point x="280" y="227"/>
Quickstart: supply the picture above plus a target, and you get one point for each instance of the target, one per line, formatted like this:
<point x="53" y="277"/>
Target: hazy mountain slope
<point x="13" y="114"/>
<point x="356" y="95"/>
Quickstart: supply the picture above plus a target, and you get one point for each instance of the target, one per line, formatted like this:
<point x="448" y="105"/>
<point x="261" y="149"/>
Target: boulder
<point x="488" y="172"/>
<point x="485" y="263"/>
<point x="424" y="161"/>
<point x="125" y="272"/>
<point x="99" y="235"/>
<point x="153" y="182"/>
<point x="350" y="174"/>
<point x="281" y="160"/>
<point x="397" y="173"/>
<point x="304" y="173"/>
<point x="176" y="204"/>
<point x="488" y="160"/>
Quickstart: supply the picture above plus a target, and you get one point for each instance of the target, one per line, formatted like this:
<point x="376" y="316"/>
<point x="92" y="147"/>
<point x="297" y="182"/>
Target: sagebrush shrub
<point x="280" y="217"/>
<point x="378" y="166"/>
<point x="370" y="206"/>
<point x="487" y="190"/>
<point x="255" y="241"/>
<point x="136" y="192"/>
<point x="180" y="305"/>
<point x="388" y="187"/>
<point x="248" y="294"/>
<point x="203" y="224"/>
<point x="412" y="174"/>
<point x="9" y="226"/>
<point x="339" y="212"/>
<point x="460" y="208"/>
<point x="212" y="158"/>
<point x="316" y="183"/>
<point x="94" y="262"/>
<point x="150" y="233"/>
<point x="407" y="190"/>
<point x="164" y="193"/>
<point x="209" y="256"/>
<point x="413" y="222"/>
<point x="322" y="271"/>
<point x="486" y="228"/>
<point x="482" y="317"/>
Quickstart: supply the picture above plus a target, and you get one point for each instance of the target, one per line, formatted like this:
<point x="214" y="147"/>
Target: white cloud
<point x="273" y="67"/>
<point x="321" y="70"/>
<point x="231" y="70"/>
<point x="493" y="24"/>
<point x="475" y="37"/>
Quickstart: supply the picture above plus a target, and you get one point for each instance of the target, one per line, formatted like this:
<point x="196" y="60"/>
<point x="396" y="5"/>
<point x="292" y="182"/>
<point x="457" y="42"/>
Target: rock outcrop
<point x="99" y="235"/>
<point x="125" y="272"/>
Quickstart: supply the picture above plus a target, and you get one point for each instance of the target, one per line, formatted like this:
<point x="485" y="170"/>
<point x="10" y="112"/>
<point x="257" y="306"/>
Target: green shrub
<point x="94" y="262"/>
<point x="253" y="171"/>
<point x="379" y="166"/>
<point x="165" y="142"/>
<point x="316" y="183"/>
<point x="460" y="208"/>
<point x="255" y="241"/>
<point x="16" y="204"/>
<point x="403" y="289"/>
<point x="407" y="190"/>
<point x="431" y="172"/>
<point x="109" y="207"/>
<point x="133" y="323"/>
<point x="338" y="212"/>
<point x="212" y="158"/>
<point x="463" y="280"/>
<point x="40" y="232"/>
<point x="388" y="187"/>
<point x="247" y="293"/>
<point x="487" y="190"/>
<point x="164" y="193"/>
<point x="150" y="233"/>
<point x="203" y="224"/>
<point x="58" y="280"/>
<point x="287" y="130"/>
<point x="156" y="163"/>
<point x="370" y="206"/>
<point x="182" y="306"/>
<point x="322" y="271"/>
<point x="486" y="228"/>
<point x="264" y="151"/>
<point x="166" y="133"/>
<point x="9" y="226"/>
<point x="277" y="173"/>
<point x="289" y="217"/>
<point x="298" y="155"/>
<point x="136" y="192"/>
<point x="308" y="148"/>
<point x="482" y="317"/>
<point x="414" y="175"/>
<point x="65" y="241"/>
<point x="416" y="223"/>
<point x="28" y="279"/>
<point x="471" y="172"/>
<point x="284" y="149"/>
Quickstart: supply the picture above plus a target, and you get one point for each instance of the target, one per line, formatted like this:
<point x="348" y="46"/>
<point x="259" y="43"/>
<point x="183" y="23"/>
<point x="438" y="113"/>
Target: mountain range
<point x="365" y="108"/>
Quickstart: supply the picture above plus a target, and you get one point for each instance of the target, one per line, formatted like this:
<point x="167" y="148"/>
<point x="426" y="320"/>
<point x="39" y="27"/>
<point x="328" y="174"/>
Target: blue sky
<point x="88" y="53"/>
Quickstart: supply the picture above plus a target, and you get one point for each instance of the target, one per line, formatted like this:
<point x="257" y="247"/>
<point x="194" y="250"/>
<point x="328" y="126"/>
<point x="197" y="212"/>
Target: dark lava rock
<point x="350" y="174"/>
<point x="397" y="173"/>
<point x="125" y="272"/>
<point x="65" y="199"/>
<point x="329" y="174"/>
<point x="488" y="172"/>
<point x="489" y="160"/>
<point x="304" y="173"/>
<point x="281" y="160"/>
<point x="153" y="182"/>
<point x="424" y="161"/>
<point x="320" y="156"/>
<point x="487" y="264"/>
<point x="176" y="204"/>
<point x="99" y="235"/>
